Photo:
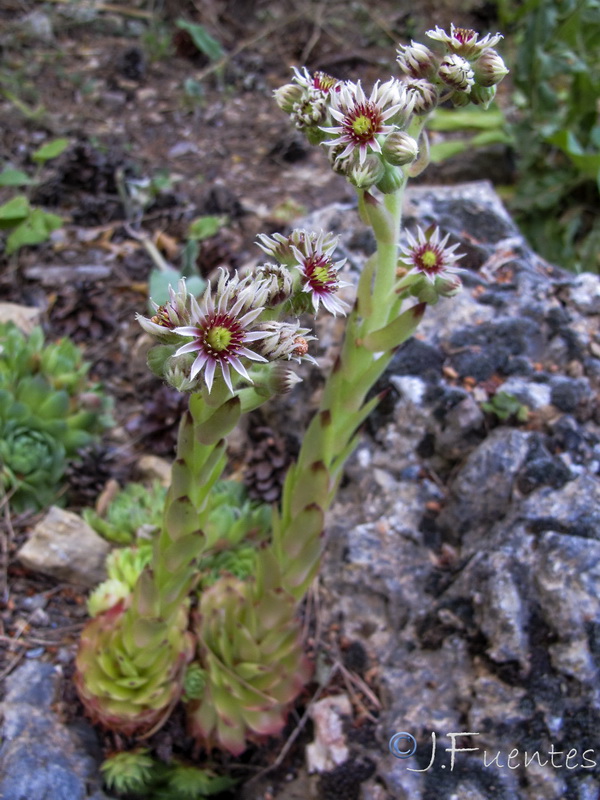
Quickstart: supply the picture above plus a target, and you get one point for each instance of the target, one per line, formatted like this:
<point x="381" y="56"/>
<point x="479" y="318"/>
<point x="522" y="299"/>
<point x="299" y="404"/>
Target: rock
<point x="153" y="468"/>
<point x="40" y="756"/>
<point x="481" y="617"/>
<point x="65" y="547"/>
<point x="584" y="293"/>
<point x="24" y="317"/>
<point x="38" y="26"/>
<point x="329" y="749"/>
<point x="415" y="357"/>
<point x="482" y="490"/>
<point x="51" y="276"/>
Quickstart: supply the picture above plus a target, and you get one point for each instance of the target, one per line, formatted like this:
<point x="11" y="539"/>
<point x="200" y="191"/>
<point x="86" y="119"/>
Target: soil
<point x="137" y="101"/>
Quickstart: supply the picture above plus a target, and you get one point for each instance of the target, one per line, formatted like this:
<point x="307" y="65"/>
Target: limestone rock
<point x="24" y="317"/>
<point x="65" y="547"/>
<point x="152" y="468"/>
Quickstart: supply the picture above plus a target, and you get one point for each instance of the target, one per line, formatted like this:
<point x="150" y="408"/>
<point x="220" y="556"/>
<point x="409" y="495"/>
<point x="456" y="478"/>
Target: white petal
<point x="226" y="375"/>
<point x="187" y="330"/>
<point x="250" y="316"/>
<point x="198" y="364"/>
<point x="238" y="367"/>
<point x="152" y="327"/>
<point x="195" y="309"/>
<point x="190" y="347"/>
<point x="209" y="373"/>
<point x="243" y="351"/>
<point x="253" y="336"/>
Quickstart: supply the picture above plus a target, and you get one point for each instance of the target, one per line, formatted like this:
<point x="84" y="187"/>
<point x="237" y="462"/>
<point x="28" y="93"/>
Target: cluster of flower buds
<point x="370" y="137"/>
<point x="469" y="68"/>
<point x="240" y="329"/>
<point x="306" y="100"/>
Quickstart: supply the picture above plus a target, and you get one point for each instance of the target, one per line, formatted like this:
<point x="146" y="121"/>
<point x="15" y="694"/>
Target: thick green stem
<point x="374" y="330"/>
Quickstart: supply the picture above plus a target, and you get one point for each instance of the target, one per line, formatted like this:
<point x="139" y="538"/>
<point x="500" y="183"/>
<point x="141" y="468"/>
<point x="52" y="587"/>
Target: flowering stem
<point x="199" y="463"/>
<point x="374" y="330"/>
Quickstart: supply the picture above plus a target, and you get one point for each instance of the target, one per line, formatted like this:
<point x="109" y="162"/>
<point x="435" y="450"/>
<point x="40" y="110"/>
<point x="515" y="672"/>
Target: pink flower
<point x="429" y="256"/>
<point x="464" y="41"/>
<point x="221" y="331"/>
<point x="318" y="273"/>
<point x="361" y="119"/>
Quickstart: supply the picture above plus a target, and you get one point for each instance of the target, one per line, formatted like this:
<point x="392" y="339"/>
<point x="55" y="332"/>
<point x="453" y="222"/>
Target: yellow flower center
<point x="219" y="338"/>
<point x="429" y="259"/>
<point x="320" y="275"/>
<point x="362" y="126"/>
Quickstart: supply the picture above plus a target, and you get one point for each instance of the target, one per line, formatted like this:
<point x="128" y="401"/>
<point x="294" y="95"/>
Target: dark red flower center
<point x="464" y="35"/>
<point x="323" y="82"/>
<point x="429" y="259"/>
<point x="320" y="275"/>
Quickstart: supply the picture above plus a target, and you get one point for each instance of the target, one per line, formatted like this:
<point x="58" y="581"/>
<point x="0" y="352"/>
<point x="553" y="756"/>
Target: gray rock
<point x="41" y="758"/>
<point x="584" y="294"/>
<point x="484" y="618"/>
<point x="63" y="546"/>
<point x="483" y="488"/>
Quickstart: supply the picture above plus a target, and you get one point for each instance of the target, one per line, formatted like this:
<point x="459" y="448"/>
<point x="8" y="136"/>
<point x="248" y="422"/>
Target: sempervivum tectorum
<point x="250" y="648"/>
<point x="130" y="668"/>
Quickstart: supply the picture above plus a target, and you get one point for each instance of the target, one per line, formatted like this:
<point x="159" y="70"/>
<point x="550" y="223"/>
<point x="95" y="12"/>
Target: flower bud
<point x="489" y="68"/>
<point x="177" y="374"/>
<point x="460" y="99"/>
<point x="341" y="166"/>
<point x="448" y="286"/>
<point x="279" y="284"/>
<point x="282" y="380"/>
<point x="310" y="111"/>
<point x="283" y="340"/>
<point x="287" y="96"/>
<point x="482" y="95"/>
<point x="365" y="175"/>
<point x="392" y="180"/>
<point x="456" y="72"/>
<point x="417" y="60"/>
<point x="399" y="148"/>
<point x="421" y="95"/>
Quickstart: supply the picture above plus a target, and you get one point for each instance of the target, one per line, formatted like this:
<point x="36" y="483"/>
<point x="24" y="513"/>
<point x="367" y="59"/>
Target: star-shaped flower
<point x="318" y="273"/>
<point x="362" y="120"/>
<point x="429" y="256"/>
<point x="221" y="329"/>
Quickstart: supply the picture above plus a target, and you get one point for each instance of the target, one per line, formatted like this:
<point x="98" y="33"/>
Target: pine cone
<point x="157" y="425"/>
<point x="266" y="465"/>
<point x="90" y="471"/>
<point x="81" y="313"/>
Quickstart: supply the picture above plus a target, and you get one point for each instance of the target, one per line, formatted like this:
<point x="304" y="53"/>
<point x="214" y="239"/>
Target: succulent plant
<point x="132" y="662"/>
<point x="250" y="647"/>
<point x="179" y="781"/>
<point x="134" y="506"/>
<point x="137" y="772"/>
<point x="232" y="518"/>
<point x="48" y="409"/>
<point x="128" y="772"/>
<point x="32" y="461"/>
<point x="124" y="565"/>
